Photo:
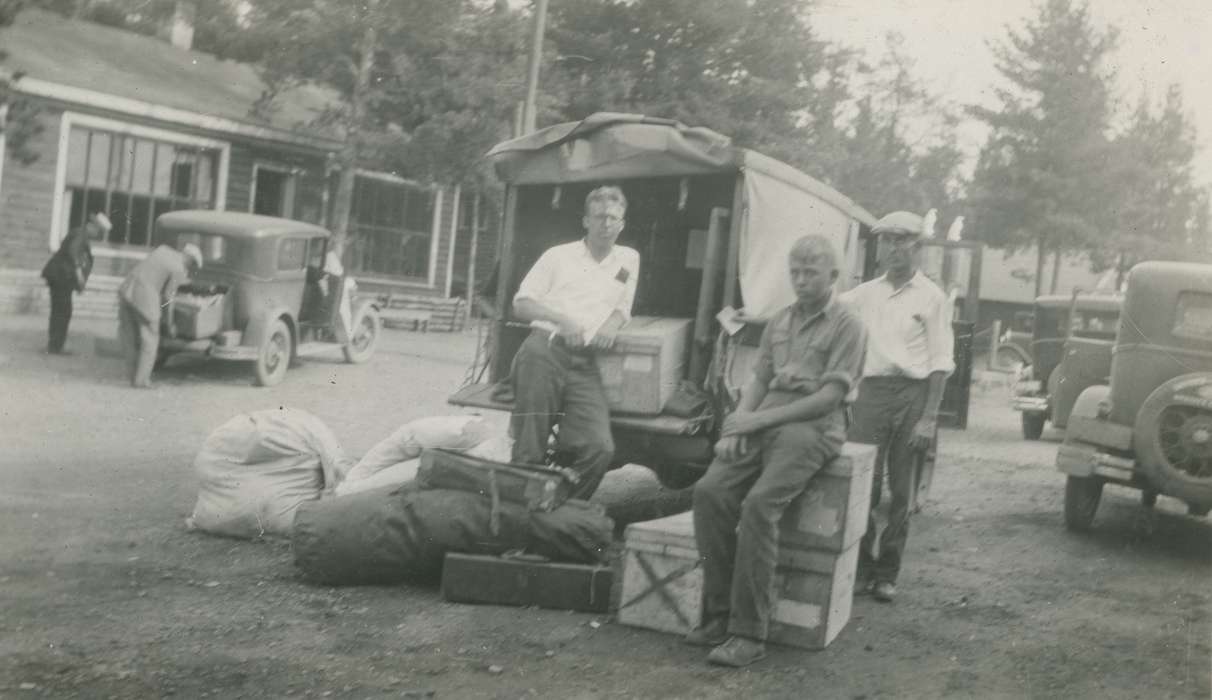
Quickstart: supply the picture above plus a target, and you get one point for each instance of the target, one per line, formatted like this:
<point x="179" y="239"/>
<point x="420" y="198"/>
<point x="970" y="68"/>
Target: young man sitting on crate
<point x="576" y="297"/>
<point x="788" y="424"/>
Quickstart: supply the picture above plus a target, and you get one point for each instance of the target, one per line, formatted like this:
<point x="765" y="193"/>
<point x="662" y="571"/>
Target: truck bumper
<point x="1079" y="459"/>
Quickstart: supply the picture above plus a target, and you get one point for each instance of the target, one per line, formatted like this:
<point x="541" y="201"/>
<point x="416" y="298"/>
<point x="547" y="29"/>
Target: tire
<point x="367" y="327"/>
<point x="1033" y="424"/>
<point x="1172" y="438"/>
<point x="1082" y="495"/>
<point x="274" y="357"/>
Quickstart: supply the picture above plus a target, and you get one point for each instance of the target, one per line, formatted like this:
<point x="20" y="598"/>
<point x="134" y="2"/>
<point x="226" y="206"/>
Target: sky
<point x="1161" y="42"/>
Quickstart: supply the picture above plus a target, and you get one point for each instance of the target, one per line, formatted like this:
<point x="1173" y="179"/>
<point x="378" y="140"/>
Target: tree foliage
<point x="1160" y="212"/>
<point x="1037" y="180"/>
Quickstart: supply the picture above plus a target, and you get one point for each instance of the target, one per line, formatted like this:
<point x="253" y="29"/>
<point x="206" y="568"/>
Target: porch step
<point x="421" y="313"/>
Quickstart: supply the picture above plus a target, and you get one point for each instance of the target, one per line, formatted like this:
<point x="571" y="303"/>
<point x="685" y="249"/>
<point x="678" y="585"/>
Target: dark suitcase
<point x="536" y="487"/>
<point x="526" y="580"/>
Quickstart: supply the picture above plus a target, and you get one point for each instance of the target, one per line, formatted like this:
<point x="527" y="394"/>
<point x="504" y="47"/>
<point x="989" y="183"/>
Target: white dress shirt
<point x="567" y="279"/>
<point x="908" y="329"/>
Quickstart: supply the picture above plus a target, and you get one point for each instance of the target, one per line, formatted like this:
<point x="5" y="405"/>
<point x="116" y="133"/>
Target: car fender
<point x="1023" y="356"/>
<point x="257" y="330"/>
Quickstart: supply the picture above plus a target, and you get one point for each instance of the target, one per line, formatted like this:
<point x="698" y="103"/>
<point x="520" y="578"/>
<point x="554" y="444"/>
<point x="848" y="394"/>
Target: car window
<point x="292" y="253"/>
<point x="1096" y="324"/>
<point x="1193" y="315"/>
<point x="315" y="252"/>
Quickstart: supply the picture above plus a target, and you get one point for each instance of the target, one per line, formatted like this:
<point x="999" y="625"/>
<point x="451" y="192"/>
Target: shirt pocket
<point x="780" y="348"/>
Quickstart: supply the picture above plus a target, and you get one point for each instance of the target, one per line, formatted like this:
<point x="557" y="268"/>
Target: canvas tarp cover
<point x="397" y="534"/>
<point x="782" y="203"/>
<point x="779" y="214"/>
<point x="608" y="146"/>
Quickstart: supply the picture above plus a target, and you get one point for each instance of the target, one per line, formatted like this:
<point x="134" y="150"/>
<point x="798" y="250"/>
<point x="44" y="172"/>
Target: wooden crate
<point x="814" y="592"/>
<point x="662" y="581"/>
<point x="832" y="512"/>
<point x="645" y="365"/>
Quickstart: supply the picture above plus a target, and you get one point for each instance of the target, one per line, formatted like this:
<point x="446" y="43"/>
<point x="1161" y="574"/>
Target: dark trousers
<point x="60" y="315"/>
<point x="885" y="413"/>
<point x="140" y="341"/>
<point x="554" y="385"/>
<point x="737" y="509"/>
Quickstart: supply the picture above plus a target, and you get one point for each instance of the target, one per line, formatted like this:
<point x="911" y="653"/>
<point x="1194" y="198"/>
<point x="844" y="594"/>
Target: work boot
<point x="737" y="652"/>
<point x="709" y="634"/>
<point x="884" y="591"/>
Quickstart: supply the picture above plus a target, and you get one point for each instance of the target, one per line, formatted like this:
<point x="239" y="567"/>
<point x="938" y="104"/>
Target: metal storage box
<point x="644" y="367"/>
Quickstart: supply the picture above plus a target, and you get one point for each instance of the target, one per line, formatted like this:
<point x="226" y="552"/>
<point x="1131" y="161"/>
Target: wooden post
<point x="529" y="116"/>
<point x="471" y="257"/>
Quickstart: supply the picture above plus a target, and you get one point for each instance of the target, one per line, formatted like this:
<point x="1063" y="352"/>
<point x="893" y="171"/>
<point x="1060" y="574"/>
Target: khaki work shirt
<point x="799" y="354"/>
<point x="154" y="281"/>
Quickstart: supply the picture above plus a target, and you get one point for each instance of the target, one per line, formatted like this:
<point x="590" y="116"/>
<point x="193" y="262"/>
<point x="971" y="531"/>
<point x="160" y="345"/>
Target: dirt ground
<point x="104" y="593"/>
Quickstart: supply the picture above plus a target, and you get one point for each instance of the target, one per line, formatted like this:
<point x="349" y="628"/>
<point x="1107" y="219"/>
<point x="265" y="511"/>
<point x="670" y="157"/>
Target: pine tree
<point x="1043" y="176"/>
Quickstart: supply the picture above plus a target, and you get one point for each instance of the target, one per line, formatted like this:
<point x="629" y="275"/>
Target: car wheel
<point x="1033" y="424"/>
<point x="1082" y="495"/>
<point x="274" y="358"/>
<point x="364" y="335"/>
<point x="1173" y="438"/>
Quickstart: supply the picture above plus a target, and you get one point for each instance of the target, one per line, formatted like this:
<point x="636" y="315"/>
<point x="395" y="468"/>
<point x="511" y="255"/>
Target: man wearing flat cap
<point x="909" y="356"/>
<point x="66" y="273"/>
<point x="150" y="287"/>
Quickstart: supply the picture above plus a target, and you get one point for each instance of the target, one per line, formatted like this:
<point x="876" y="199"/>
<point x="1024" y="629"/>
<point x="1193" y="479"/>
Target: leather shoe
<point x="709" y="634"/>
<point x="737" y="652"/>
<point x="884" y="591"/>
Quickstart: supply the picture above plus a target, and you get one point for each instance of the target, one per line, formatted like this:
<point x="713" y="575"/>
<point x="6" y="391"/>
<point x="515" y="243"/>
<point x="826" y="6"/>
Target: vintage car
<point x="713" y="224"/>
<point x="1014" y="345"/>
<point x="1151" y="427"/>
<point x="1070" y="350"/>
<point x="262" y="295"/>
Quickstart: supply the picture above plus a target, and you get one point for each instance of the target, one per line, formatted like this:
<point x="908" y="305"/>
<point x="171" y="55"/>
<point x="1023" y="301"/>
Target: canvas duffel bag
<point x="537" y="487"/>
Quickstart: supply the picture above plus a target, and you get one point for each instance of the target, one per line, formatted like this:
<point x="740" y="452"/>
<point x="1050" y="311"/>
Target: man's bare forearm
<point x="934" y="393"/>
<point x="531" y="310"/>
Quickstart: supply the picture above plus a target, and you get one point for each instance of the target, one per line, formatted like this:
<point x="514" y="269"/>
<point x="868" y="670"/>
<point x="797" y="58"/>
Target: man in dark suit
<point x="66" y="272"/>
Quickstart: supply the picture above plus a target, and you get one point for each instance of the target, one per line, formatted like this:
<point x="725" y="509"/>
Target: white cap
<point x="101" y="220"/>
<point x="192" y="251"/>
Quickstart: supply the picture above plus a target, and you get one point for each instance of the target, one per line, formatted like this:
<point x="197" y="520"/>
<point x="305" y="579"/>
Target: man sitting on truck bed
<point x="576" y="297"/>
<point x="788" y="425"/>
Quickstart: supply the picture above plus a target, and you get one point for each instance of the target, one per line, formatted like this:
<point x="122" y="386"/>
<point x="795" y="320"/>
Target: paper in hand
<point x="729" y="320"/>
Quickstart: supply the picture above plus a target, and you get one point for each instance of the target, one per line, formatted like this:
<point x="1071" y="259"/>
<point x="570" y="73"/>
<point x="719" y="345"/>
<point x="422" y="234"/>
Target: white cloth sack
<point x="395" y="475"/>
<point x="257" y="468"/>
<point x="451" y="432"/>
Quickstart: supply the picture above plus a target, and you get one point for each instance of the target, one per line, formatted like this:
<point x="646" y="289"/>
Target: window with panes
<point x="392" y="227"/>
<point x="134" y="179"/>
